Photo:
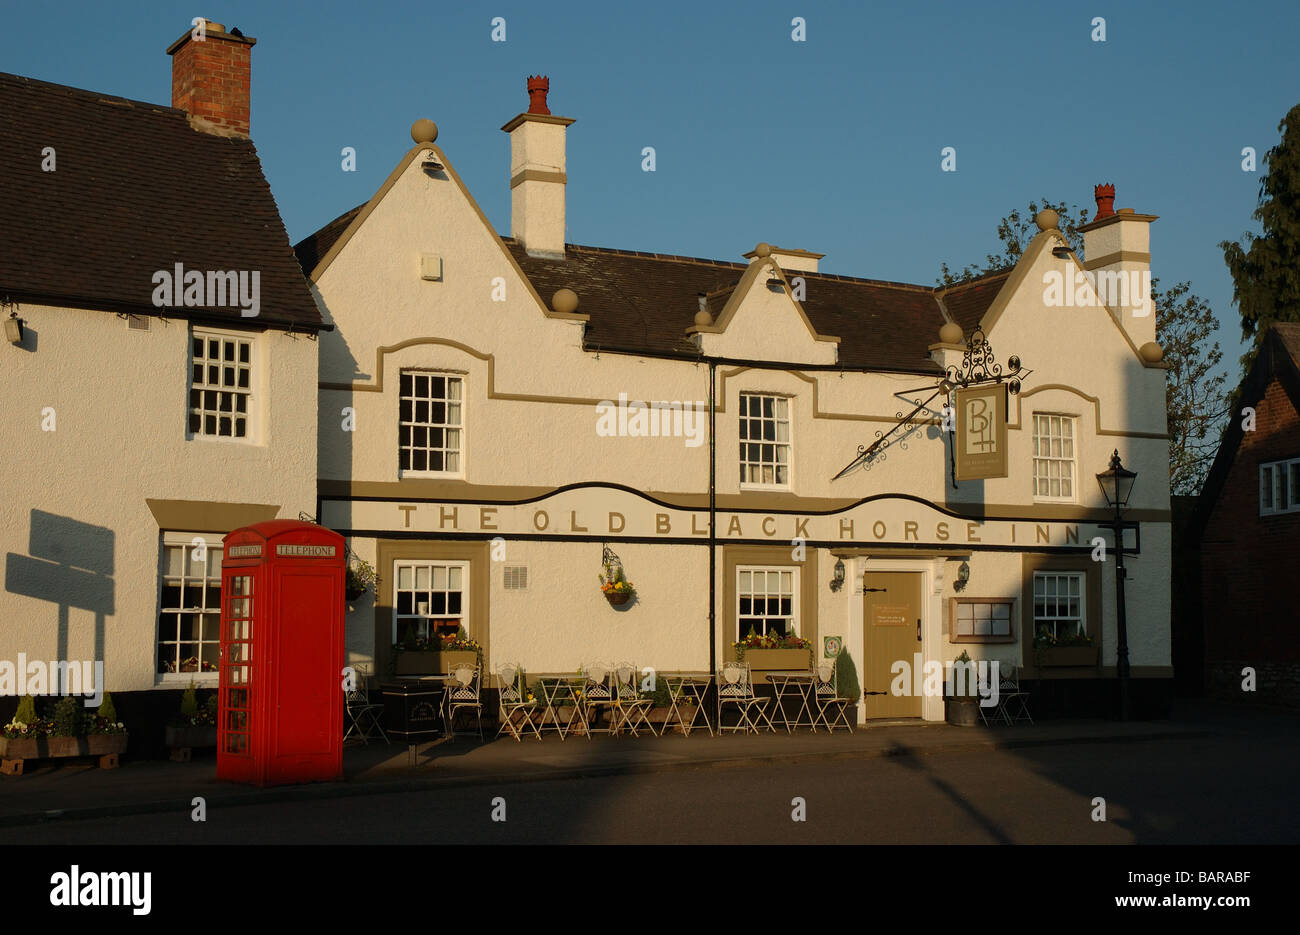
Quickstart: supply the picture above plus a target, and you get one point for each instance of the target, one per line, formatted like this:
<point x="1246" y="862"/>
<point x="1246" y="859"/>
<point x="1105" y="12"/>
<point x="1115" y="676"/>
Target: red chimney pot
<point x="537" y="88"/>
<point x="1105" y="195"/>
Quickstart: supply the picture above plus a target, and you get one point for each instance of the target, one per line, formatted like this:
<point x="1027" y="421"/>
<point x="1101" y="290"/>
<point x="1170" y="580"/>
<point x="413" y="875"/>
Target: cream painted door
<point x="891" y="629"/>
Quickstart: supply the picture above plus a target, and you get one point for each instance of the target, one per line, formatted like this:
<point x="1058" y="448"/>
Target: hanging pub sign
<point x="981" y="443"/>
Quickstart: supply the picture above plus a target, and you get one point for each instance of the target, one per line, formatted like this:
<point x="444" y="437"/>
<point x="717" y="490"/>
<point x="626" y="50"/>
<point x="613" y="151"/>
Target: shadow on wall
<point x="70" y="564"/>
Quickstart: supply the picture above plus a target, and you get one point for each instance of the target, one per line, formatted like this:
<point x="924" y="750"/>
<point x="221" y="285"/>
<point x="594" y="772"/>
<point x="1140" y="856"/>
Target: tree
<point x="1266" y="272"/>
<point x="1194" y="398"/>
<point x="1015" y="231"/>
<point x="1185" y="324"/>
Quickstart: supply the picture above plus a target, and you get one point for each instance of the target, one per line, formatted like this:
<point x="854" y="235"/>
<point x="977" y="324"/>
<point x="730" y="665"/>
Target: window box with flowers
<point x="436" y="655"/>
<point x="773" y="652"/>
<point x="1072" y="650"/>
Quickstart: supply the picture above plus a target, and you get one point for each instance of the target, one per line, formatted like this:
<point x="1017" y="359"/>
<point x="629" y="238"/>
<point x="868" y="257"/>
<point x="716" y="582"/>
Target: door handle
<point x="918" y="629"/>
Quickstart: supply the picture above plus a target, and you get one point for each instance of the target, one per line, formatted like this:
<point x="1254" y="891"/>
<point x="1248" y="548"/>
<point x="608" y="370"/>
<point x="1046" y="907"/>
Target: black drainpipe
<point x="713" y="522"/>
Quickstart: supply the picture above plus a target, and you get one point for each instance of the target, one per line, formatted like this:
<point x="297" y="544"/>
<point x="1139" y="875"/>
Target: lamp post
<point x="1116" y="484"/>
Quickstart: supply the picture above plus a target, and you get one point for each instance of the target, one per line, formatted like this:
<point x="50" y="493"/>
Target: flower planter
<point x="353" y="594"/>
<point x="105" y="746"/>
<point x="1067" y="655"/>
<point x="183" y="740"/>
<point x="433" y="663"/>
<point x="762" y="661"/>
<point x="961" y="712"/>
<point x="618" y="598"/>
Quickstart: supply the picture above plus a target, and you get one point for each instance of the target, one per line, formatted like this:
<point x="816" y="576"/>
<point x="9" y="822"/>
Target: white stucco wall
<point x="120" y="402"/>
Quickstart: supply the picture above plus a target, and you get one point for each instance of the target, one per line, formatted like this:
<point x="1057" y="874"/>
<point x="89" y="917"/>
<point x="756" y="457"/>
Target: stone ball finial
<point x="424" y="130"/>
<point x="1047" y="219"/>
<point x="703" y="318"/>
<point x="565" y="301"/>
<point x="1152" y="352"/>
<point x="763" y="250"/>
<point x="950" y="333"/>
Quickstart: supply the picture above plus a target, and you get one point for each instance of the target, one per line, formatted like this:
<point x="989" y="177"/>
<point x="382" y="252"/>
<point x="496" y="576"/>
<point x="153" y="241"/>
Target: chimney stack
<point x="1117" y="250"/>
<point x="210" y="78"/>
<point x="537" y="179"/>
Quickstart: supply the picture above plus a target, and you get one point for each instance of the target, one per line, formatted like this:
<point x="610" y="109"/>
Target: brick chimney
<point x="210" y="79"/>
<point x="537" y="177"/>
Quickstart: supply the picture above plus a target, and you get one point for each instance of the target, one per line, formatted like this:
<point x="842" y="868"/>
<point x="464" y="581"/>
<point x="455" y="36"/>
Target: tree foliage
<point x="1185" y="326"/>
<point x="1266" y="268"/>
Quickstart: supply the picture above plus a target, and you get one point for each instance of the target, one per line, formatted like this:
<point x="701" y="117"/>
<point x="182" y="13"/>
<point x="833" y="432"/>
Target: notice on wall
<point x="891" y="615"/>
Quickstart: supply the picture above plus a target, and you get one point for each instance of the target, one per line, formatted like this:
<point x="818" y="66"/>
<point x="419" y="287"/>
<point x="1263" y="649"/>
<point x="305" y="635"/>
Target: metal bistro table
<point x="555" y="692"/>
<point x="684" y="686"/>
<point x="800" y="685"/>
<point x="413" y="710"/>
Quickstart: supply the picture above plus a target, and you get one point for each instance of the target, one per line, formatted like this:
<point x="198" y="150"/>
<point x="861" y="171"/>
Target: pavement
<point x="60" y="790"/>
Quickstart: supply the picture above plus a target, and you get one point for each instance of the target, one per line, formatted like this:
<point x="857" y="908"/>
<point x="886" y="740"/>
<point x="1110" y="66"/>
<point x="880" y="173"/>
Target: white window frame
<point x="430" y="563"/>
<point x="464" y="385"/>
<point x="1058" y="618"/>
<point x="185" y="542"/>
<point x="1280" y="487"/>
<point x="956" y="636"/>
<point x="743" y="623"/>
<point x="253" y="393"/>
<point x="1073" y="460"/>
<point x="788" y="444"/>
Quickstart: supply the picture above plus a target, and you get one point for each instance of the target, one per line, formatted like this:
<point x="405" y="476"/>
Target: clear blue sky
<point x="832" y="144"/>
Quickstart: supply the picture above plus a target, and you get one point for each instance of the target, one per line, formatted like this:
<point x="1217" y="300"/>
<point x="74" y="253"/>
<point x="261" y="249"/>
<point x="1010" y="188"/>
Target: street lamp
<point x="1116" y="484"/>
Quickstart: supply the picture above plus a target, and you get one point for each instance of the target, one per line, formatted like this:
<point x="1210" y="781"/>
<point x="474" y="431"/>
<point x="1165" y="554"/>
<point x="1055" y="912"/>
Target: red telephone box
<point x="281" y="690"/>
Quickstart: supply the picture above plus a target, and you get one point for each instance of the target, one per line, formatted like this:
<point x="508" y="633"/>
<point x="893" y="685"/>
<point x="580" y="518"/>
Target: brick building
<point x="1250" y="530"/>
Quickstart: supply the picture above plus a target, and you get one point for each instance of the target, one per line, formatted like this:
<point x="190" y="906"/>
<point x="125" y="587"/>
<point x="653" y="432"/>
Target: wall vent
<point x="516" y="577"/>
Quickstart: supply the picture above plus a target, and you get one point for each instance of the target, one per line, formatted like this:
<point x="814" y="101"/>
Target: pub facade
<point x="757" y="446"/>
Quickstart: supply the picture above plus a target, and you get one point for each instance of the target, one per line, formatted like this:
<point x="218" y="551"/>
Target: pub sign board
<point x="981" y="443"/>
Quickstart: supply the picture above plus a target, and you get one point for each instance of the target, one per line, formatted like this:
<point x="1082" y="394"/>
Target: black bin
<point x="413" y="709"/>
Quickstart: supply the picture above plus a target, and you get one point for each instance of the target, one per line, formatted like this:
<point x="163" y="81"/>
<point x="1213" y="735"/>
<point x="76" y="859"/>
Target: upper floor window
<point x="1279" y="487"/>
<point x="1054" y="464"/>
<point x="430" y="421"/>
<point x="764" y="440"/>
<point x="221" y="385"/>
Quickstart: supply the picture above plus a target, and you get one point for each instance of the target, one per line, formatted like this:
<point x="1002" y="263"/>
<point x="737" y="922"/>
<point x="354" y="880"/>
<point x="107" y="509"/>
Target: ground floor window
<point x="981" y="620"/>
<point x="429" y="599"/>
<point x="1058" y="605"/>
<point x="189" y="612"/>
<point x="765" y="601"/>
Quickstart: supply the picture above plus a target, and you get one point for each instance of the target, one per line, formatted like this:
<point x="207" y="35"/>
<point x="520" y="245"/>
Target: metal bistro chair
<point x="598" y="693"/>
<point x="736" y="687"/>
<point x="513" y="688"/>
<point x="463" y="693"/>
<point x="826" y="697"/>
<point x="363" y="716"/>
<point x="1013" y="704"/>
<point x="629" y="707"/>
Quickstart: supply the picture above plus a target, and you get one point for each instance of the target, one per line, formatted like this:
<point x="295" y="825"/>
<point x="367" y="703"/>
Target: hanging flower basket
<point x="617" y="598"/>
<point x="613" y="583"/>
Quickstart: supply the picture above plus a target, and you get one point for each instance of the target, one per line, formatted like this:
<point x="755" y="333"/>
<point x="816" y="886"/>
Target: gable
<point x="761" y="320"/>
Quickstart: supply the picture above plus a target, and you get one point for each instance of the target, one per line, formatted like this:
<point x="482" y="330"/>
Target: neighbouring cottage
<point x="1248" y="529"/>
<point x="160" y="389"/>
<point x="760" y="447"/>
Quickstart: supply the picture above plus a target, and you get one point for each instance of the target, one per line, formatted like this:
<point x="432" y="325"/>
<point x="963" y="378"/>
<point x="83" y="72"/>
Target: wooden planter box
<point x="183" y="740"/>
<point x="105" y="746"/>
<point x="1068" y="655"/>
<point x="762" y="661"/>
<point x="433" y="663"/>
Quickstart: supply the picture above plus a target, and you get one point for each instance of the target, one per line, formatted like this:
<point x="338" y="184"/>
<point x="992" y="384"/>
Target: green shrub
<point x="190" y="702"/>
<point x="69" y="717"/>
<point x="26" y="710"/>
<point x="106" y="709"/>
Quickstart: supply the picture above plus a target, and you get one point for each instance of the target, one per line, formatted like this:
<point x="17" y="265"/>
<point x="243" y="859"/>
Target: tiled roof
<point x="644" y="302"/>
<point x="135" y="190"/>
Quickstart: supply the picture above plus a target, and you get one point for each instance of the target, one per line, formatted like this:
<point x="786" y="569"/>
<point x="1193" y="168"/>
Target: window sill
<point x="982" y="639"/>
<point x="183" y="679"/>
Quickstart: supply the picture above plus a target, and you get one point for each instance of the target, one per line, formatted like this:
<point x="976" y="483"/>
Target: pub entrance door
<point x="891" y="632"/>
